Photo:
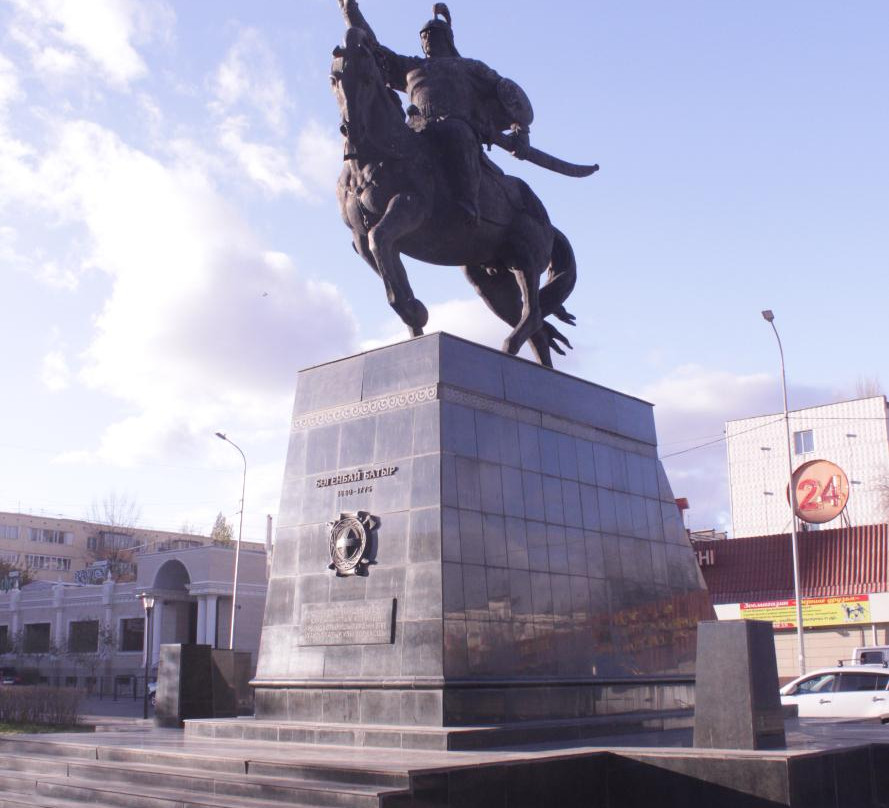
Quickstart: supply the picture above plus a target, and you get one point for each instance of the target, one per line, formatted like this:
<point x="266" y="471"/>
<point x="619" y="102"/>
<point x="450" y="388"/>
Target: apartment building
<point x="71" y="550"/>
<point x="852" y="434"/>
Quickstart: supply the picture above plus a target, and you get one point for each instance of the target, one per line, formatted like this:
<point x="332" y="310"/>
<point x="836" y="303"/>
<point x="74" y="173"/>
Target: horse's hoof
<point x="510" y="347"/>
<point x="419" y="316"/>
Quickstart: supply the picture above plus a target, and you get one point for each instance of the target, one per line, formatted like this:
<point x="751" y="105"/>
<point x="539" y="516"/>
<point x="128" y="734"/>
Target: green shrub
<point x="40" y="704"/>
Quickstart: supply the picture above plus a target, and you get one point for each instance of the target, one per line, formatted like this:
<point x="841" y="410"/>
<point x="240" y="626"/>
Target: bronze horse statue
<point x="396" y="198"/>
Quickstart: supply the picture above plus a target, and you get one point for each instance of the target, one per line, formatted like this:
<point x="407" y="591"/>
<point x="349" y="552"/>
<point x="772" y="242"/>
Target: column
<point x="211" y="619"/>
<point x="156" y="624"/>
<point x="202" y="620"/>
<point x="14" y="603"/>
<point x="58" y="637"/>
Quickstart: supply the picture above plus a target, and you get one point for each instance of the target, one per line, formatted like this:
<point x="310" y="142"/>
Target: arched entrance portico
<point x="175" y="617"/>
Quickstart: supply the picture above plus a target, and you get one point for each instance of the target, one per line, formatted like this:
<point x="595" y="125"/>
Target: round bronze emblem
<point x="350" y="543"/>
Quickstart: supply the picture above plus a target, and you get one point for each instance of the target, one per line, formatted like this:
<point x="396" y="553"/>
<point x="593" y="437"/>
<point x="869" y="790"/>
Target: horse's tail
<point x="562" y="277"/>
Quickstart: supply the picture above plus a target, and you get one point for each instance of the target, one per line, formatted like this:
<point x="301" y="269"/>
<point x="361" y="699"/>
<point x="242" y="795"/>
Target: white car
<point x="847" y="691"/>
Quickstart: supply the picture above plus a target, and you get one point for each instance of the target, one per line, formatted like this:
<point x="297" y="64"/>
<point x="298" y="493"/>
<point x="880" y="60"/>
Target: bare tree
<point x="114" y="538"/>
<point x="868" y="387"/>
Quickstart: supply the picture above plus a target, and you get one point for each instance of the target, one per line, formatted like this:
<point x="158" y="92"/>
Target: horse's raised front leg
<point x="404" y="214"/>
<point x="362" y="247"/>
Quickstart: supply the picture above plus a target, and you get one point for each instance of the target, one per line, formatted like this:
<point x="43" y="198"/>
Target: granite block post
<point x="184" y="684"/>
<point x="737" y="705"/>
<point x="464" y="537"/>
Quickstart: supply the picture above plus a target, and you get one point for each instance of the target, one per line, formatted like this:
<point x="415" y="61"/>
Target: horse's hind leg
<point x="403" y="215"/>
<point x="504" y="298"/>
<point x="531" y="319"/>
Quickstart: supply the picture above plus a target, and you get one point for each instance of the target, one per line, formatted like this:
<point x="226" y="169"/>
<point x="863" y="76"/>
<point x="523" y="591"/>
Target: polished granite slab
<point x="826" y="765"/>
<point x="516" y="519"/>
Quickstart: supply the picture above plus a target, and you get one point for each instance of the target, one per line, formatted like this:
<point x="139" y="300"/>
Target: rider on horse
<point x="460" y="103"/>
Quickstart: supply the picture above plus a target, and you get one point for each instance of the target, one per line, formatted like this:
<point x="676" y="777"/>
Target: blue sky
<point x="171" y="252"/>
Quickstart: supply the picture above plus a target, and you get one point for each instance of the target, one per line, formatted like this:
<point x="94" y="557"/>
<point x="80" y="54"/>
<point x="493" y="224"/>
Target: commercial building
<point x="94" y="635"/>
<point x="54" y="549"/>
<point x="852" y="434"/>
<point x="844" y="585"/>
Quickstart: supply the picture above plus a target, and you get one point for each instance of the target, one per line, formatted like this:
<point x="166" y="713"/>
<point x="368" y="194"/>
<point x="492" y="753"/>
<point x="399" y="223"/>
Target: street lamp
<point x="231" y="637"/>
<point x="148" y="605"/>
<point x="769" y="317"/>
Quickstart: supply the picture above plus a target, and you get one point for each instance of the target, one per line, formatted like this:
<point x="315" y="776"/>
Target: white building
<point x="852" y="434"/>
<point x="93" y="635"/>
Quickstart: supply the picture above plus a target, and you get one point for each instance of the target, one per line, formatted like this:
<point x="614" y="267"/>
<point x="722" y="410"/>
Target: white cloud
<point x="267" y="166"/>
<point x="692" y="405"/>
<point x="469" y="319"/>
<point x="319" y="155"/>
<point x="250" y="76"/>
<point x="57" y="277"/>
<point x="55" y="374"/>
<point x="10" y="89"/>
<point x="202" y="324"/>
<point x="65" y="36"/>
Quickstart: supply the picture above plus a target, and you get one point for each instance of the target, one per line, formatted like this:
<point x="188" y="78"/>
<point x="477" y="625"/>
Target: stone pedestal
<point x="184" y="684"/>
<point x="466" y="537"/>
<point x="737" y="705"/>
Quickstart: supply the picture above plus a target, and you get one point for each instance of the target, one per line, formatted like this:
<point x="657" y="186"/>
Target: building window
<point x="50" y="536"/>
<point x="9" y="532"/>
<point x="803" y="442"/>
<point x="53" y="563"/>
<point x="36" y="638"/>
<point x="132" y="631"/>
<point x="4" y="640"/>
<point x="106" y="540"/>
<point x="83" y="636"/>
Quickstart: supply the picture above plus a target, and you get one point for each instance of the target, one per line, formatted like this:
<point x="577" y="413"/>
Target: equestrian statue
<point x="419" y="182"/>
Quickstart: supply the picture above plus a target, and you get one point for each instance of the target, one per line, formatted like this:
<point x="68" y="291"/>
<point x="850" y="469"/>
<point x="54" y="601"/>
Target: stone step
<point x="43" y="756"/>
<point x="271" y="776"/>
<point x="39" y="764"/>
<point x="19" y="782"/>
<point x="267" y="788"/>
<point x="124" y="794"/>
<point x="171" y="759"/>
<point x="13" y="799"/>
<point x="339" y="774"/>
<point x="16" y="745"/>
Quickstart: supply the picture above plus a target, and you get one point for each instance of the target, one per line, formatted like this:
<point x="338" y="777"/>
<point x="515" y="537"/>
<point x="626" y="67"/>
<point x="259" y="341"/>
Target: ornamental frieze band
<point x="363" y="409"/>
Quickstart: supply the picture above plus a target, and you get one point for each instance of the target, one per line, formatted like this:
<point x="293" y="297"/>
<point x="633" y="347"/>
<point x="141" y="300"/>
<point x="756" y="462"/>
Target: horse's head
<point x="357" y="82"/>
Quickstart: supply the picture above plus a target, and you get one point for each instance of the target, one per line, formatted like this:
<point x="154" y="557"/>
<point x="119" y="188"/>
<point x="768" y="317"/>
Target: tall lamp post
<point x="769" y="317"/>
<point x="231" y="637"/>
<point x="148" y="605"/>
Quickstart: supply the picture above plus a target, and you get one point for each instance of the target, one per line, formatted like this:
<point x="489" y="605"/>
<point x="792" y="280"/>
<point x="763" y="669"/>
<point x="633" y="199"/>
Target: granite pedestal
<point x="737" y="705"/>
<point x="466" y="537"/>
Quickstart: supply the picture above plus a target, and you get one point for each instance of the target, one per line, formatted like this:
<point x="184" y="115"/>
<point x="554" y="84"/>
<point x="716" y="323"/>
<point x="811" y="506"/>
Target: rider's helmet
<point x="441" y="24"/>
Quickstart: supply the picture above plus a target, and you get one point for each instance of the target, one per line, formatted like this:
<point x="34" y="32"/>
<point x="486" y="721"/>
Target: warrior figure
<point x="460" y="103"/>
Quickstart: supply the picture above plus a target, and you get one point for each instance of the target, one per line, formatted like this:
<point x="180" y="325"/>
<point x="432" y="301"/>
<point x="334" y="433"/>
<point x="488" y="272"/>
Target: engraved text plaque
<point x="355" y="622"/>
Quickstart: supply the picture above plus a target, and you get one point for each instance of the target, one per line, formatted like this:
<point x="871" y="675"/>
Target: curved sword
<point x="544" y="160"/>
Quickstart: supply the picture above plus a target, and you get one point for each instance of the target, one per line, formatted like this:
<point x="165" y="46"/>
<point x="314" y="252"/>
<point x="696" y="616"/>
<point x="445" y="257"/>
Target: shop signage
<point x="817" y="612"/>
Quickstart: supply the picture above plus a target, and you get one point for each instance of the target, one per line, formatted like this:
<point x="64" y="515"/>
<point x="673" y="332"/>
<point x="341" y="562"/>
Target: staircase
<point x="37" y="773"/>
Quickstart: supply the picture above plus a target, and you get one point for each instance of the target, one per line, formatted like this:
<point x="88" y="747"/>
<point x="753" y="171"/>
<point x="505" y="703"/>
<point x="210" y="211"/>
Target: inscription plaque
<point x="363" y="622"/>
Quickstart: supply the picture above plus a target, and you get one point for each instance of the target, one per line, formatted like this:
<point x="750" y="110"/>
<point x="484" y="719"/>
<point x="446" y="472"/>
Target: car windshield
<point x="822" y="683"/>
